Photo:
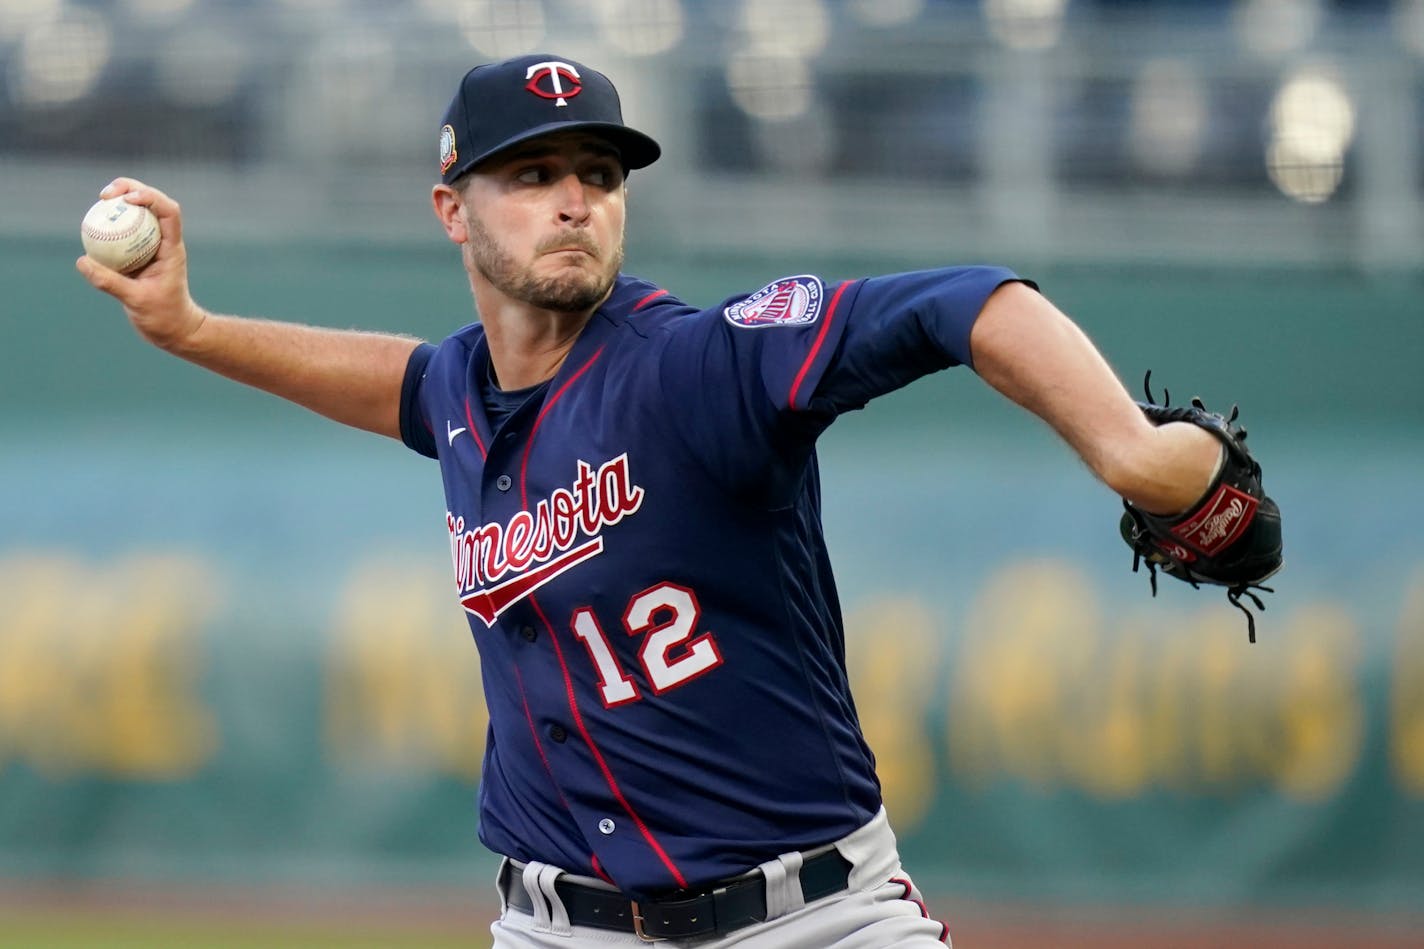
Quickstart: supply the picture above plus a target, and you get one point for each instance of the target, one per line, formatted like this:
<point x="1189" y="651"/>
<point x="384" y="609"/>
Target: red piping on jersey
<point x="598" y="756"/>
<point x="559" y="651"/>
<point x="529" y="445"/>
<point x="474" y="432"/>
<point x="648" y="299"/>
<point x="816" y="347"/>
<point x="529" y="717"/>
<point x="598" y="871"/>
<point x="924" y="910"/>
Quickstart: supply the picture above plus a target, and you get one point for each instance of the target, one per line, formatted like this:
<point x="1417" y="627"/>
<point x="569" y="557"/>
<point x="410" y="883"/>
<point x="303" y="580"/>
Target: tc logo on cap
<point x="546" y="80"/>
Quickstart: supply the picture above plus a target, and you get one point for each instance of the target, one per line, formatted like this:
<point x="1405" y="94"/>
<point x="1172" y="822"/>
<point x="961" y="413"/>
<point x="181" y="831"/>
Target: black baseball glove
<point x="1231" y="537"/>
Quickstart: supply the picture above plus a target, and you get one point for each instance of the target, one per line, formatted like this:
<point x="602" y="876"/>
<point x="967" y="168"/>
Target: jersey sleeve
<point x="416" y="429"/>
<point x="758" y="378"/>
<point x="731" y="379"/>
<point x="902" y="327"/>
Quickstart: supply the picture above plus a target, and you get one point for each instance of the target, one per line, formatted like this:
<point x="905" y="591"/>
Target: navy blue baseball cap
<point x="499" y="105"/>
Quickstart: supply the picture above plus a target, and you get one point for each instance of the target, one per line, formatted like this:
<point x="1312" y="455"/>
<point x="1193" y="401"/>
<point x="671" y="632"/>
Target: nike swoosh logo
<point x="488" y="604"/>
<point x="450" y="433"/>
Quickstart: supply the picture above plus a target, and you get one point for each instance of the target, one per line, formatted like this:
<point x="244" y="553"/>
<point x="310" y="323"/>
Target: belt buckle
<point x="638" y="925"/>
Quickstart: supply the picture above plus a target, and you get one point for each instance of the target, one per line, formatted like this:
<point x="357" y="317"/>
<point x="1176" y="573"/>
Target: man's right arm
<point x="351" y="376"/>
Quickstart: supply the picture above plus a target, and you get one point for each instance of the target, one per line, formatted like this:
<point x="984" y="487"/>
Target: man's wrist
<point x="185" y="343"/>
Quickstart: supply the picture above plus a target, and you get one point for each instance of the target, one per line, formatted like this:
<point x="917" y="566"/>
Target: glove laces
<point x="1144" y="553"/>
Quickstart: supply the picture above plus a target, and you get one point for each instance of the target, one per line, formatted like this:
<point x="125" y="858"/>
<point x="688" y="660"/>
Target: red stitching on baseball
<point x="99" y="235"/>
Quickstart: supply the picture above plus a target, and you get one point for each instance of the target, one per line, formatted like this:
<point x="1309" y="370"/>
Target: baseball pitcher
<point x="673" y="749"/>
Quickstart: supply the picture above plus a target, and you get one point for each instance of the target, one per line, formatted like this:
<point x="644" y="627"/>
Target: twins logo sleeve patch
<point x="791" y="301"/>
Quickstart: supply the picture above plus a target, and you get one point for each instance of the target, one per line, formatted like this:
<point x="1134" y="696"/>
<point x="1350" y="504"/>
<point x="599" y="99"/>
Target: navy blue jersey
<point x="638" y="549"/>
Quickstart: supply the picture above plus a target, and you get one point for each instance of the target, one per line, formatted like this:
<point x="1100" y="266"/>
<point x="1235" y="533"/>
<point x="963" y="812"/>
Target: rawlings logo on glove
<point x="1231" y="538"/>
<point x="1214" y="528"/>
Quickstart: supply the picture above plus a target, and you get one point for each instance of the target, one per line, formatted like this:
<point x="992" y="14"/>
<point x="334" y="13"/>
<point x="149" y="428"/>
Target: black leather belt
<point x="716" y="909"/>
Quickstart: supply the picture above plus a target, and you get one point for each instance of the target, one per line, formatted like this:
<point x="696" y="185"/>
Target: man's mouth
<point x="575" y="244"/>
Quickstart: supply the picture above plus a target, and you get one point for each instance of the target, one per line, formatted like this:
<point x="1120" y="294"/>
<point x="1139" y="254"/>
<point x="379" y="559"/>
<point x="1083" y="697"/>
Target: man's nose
<point x="573" y="202"/>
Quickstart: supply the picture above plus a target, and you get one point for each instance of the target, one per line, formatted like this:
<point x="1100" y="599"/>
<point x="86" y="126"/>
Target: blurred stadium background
<point x="237" y="705"/>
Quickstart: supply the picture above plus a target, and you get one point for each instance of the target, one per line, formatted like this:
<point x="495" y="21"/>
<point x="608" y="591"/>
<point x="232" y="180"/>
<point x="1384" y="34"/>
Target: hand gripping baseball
<point x="1231" y="537"/>
<point x="156" y="298"/>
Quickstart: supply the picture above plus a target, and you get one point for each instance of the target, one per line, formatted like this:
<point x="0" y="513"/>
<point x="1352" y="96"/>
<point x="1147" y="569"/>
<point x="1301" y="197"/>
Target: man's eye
<point x="606" y="177"/>
<point x="530" y="176"/>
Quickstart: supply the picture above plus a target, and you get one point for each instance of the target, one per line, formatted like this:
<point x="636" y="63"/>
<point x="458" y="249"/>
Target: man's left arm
<point x="1195" y="506"/>
<point x="1027" y="349"/>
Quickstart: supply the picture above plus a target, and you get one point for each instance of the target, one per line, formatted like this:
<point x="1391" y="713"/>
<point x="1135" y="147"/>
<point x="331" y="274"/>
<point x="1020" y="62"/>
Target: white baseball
<point x="120" y="235"/>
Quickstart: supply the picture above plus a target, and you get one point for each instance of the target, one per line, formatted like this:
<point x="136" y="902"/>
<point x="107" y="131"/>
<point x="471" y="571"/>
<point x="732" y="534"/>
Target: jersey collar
<point x="622" y="303"/>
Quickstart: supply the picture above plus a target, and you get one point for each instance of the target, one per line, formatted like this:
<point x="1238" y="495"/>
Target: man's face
<point x="545" y="222"/>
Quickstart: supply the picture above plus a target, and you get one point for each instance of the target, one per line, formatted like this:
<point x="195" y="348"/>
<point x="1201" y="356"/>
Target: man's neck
<point x="528" y="345"/>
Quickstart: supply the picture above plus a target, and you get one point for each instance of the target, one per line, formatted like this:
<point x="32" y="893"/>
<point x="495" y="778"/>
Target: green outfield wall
<point x="229" y="650"/>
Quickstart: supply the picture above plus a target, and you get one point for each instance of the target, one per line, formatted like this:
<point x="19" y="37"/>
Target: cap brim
<point x="634" y="148"/>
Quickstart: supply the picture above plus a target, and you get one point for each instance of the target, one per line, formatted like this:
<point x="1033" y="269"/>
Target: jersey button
<point x="503" y="482"/>
<point x="528" y="633"/>
<point x="557" y="733"/>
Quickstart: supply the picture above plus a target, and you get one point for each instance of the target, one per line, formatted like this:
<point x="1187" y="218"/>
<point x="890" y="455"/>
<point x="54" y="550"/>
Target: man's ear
<point x="449" y="206"/>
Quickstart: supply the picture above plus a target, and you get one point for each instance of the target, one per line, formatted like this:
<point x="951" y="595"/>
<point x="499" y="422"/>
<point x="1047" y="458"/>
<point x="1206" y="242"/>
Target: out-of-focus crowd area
<point x="1286" y="130"/>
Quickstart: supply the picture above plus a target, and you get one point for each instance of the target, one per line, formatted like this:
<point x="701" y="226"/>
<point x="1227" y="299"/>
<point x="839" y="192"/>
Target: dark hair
<point x="461" y="181"/>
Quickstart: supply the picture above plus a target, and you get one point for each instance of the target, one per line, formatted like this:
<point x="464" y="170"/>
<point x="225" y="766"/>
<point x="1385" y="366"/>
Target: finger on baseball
<point x="169" y="214"/>
<point x="99" y="276"/>
<point x="120" y="187"/>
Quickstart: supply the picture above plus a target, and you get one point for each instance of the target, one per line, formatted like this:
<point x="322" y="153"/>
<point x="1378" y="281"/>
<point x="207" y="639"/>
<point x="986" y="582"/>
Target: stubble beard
<point x="575" y="292"/>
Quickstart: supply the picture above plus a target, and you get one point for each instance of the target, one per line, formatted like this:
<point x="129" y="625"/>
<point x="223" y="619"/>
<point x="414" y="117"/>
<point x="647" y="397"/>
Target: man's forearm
<point x="351" y="376"/>
<point x="1031" y="352"/>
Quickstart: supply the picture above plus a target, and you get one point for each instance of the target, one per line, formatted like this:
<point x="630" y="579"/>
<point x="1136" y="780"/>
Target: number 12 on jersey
<point x="666" y="616"/>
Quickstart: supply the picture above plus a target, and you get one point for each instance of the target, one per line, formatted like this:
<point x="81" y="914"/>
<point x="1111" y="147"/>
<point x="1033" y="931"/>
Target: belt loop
<point x="872" y="852"/>
<point x="783" y="885"/>
<point x="501" y="880"/>
<point x="558" y="913"/>
<point x="530" y="882"/>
